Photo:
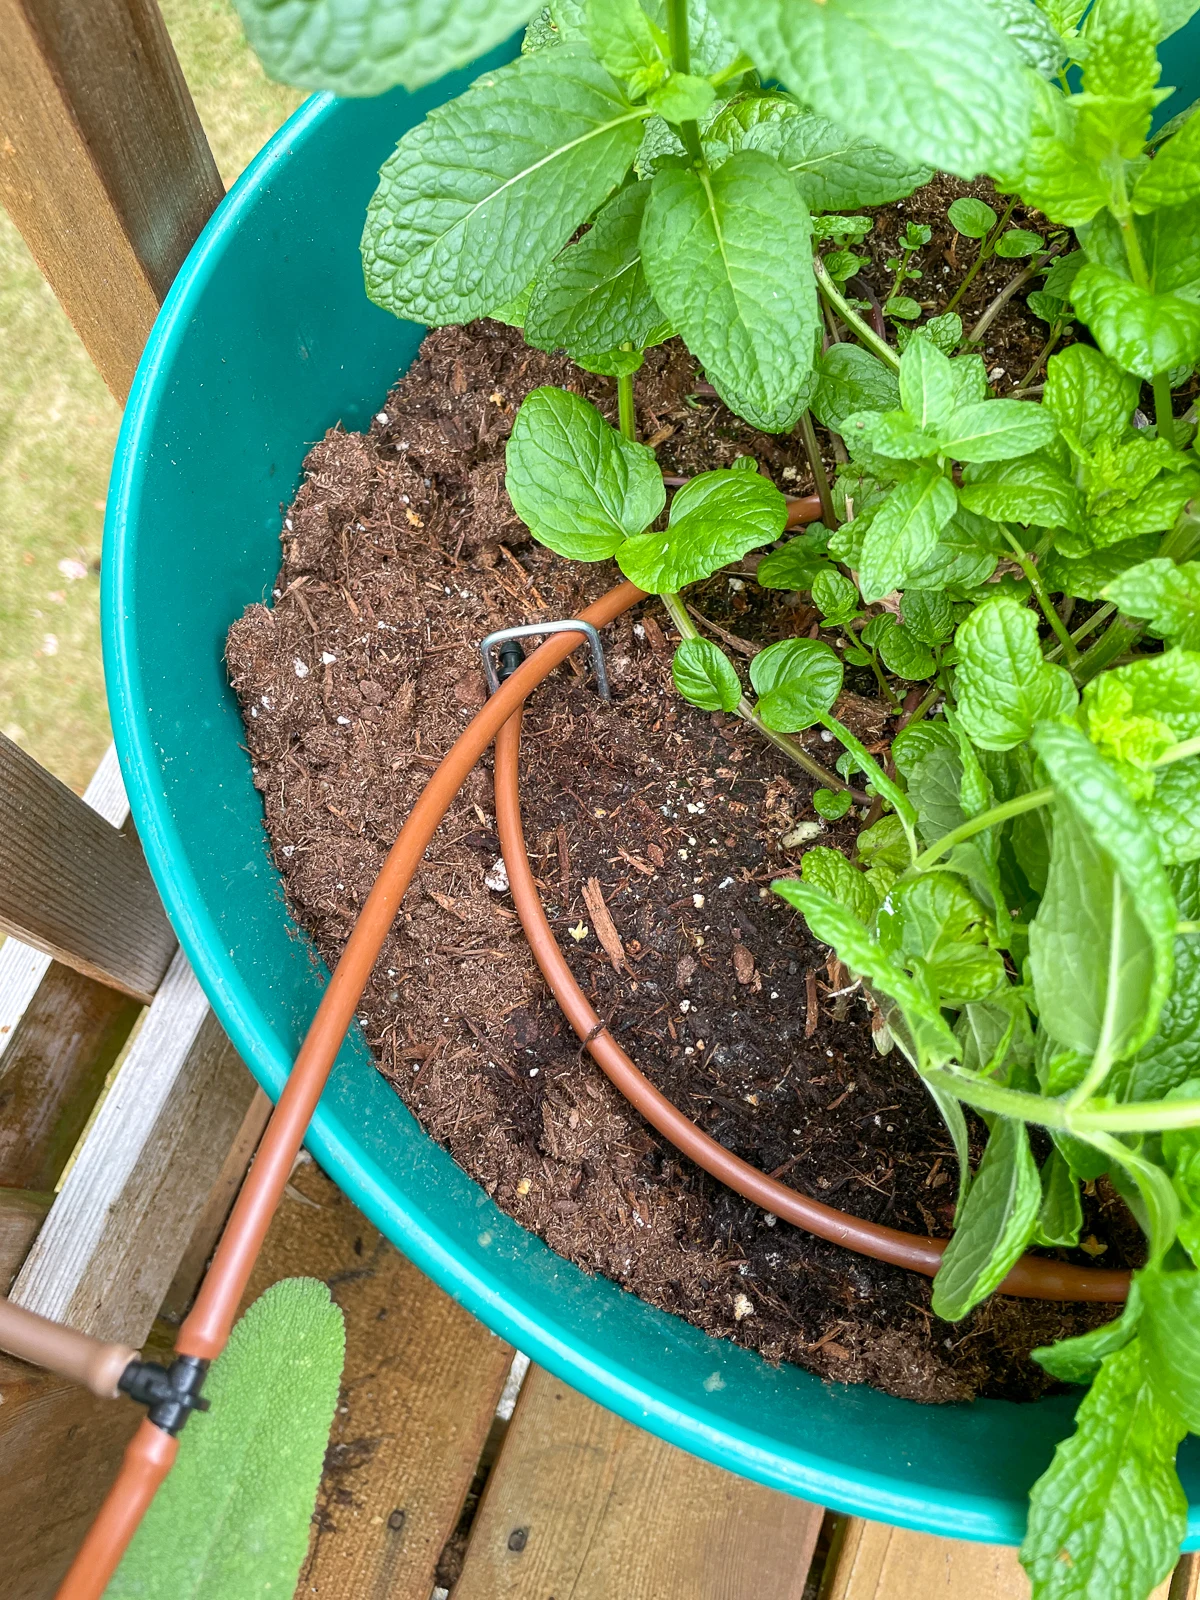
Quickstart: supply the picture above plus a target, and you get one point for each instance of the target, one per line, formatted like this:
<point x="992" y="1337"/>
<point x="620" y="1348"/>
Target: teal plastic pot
<point x="265" y="341"/>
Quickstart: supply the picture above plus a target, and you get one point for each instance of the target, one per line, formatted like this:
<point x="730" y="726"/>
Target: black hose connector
<point x="171" y="1393"/>
<point x="511" y="656"/>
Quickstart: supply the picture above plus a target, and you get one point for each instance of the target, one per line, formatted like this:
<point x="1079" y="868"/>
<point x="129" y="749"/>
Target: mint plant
<point x="1023" y="575"/>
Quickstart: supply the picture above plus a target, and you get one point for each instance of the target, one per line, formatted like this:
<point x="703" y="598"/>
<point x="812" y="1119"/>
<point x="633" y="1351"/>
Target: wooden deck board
<point x="582" y="1506"/>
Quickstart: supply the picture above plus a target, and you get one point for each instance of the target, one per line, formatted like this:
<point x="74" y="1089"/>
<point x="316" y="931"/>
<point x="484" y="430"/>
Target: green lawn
<point x="58" y="425"/>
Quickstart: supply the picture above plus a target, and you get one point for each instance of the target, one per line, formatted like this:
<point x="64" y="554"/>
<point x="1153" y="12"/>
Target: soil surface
<point x="647" y="820"/>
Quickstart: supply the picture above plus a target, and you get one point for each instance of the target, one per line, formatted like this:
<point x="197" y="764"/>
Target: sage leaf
<point x="1107" y="1517"/>
<point x="578" y="486"/>
<point x="851" y="379"/>
<point x="715" y="518"/>
<point x="594" y="297"/>
<point x="997" y="430"/>
<point x="1143" y="333"/>
<point x="903" y="534"/>
<point x="1101" y="947"/>
<point x="834" y="924"/>
<point x="836" y="172"/>
<point x="994" y="1225"/>
<point x="797" y="680"/>
<point x="354" y="48"/>
<point x="1170" y="1335"/>
<point x="705" y="676"/>
<point x="945" y="91"/>
<point x="1004" y="686"/>
<point x="726" y="256"/>
<point x="234" y="1516"/>
<point x="478" y="197"/>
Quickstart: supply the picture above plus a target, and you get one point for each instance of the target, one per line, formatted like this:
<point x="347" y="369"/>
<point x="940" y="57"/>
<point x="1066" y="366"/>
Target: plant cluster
<point x="1024" y="903"/>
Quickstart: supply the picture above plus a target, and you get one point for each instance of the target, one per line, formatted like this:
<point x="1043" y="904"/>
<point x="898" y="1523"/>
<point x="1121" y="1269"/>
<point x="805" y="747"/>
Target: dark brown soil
<point x="400" y="551"/>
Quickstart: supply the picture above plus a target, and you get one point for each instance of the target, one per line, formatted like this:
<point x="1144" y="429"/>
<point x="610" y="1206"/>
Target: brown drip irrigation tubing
<point x="151" y="1452"/>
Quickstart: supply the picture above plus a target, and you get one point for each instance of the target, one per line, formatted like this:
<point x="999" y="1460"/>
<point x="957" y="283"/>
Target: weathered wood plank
<point x="73" y="885"/>
<point x="581" y="1504"/>
<point x="1185" y="1585"/>
<point x="872" y="1561"/>
<point x="419" y="1393"/>
<point x="103" y="164"/>
<point x="21" y="1216"/>
<point x="115" y="1235"/>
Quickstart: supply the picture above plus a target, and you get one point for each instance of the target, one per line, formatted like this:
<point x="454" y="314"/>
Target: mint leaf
<point x="796" y="680"/>
<point x="234" y="1516"/>
<point x="1060" y="1218"/>
<point x="1004" y="686"/>
<point x="579" y="487"/>
<point x="796" y="566"/>
<point x="903" y="534"/>
<point x="1172" y="1054"/>
<point x="852" y="379"/>
<point x="1143" y="333"/>
<point x="995" y="1224"/>
<point x="973" y="218"/>
<point x="927" y="385"/>
<point x="831" y="804"/>
<point x="1170" y="1334"/>
<point x="904" y="654"/>
<point x="1107" y="1518"/>
<point x="1088" y="577"/>
<point x="835" y="925"/>
<point x="1018" y="242"/>
<point x="1122" y="59"/>
<point x="683" y="98"/>
<point x="829" y="871"/>
<point x="715" y="518"/>
<point x="966" y="554"/>
<point x="1102" y="944"/>
<point x="835" y="172"/>
<point x="705" y="676"/>
<point x="950" y="95"/>
<point x="1087" y="395"/>
<point x="1078" y="1360"/>
<point x="1166" y="595"/>
<point x="620" y="34"/>
<point x="835" y="597"/>
<point x="928" y="615"/>
<point x="1173" y="177"/>
<point x="1029" y="490"/>
<point x="997" y="430"/>
<point x="891" y="434"/>
<point x="594" y="297"/>
<point x="727" y="257"/>
<point x="352" y="48"/>
<point x="1034" y="35"/>
<point x="450" y="232"/>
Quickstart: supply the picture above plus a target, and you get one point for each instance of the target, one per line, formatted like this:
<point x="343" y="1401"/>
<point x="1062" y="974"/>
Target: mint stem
<point x="681" y="61"/>
<point x="1164" y="416"/>
<point x="808" y="435"/>
<point x="865" y="334"/>
<point x="626" y="410"/>
<point x="973" y="825"/>
<point x="1043" y="599"/>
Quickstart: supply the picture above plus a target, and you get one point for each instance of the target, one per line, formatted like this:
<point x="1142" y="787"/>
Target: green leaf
<point x="994" y="1225"/>
<point x="1087" y="395"/>
<point x="1121" y="54"/>
<point x="905" y="655"/>
<point x="946" y="333"/>
<point x="1034" y="35"/>
<point x="727" y="258"/>
<point x="1004" y="686"/>
<point x="1143" y="333"/>
<point x="1030" y="490"/>
<point x="1078" y="1360"/>
<point x="852" y="379"/>
<point x="966" y="554"/>
<point x="997" y="430"/>
<point x="902" y="306"/>
<point x="891" y="434"/>
<point x="233" y="1517"/>
<point x="1166" y="595"/>
<point x="834" y="171"/>
<point x="928" y="615"/>
<point x="835" y="597"/>
<point x="927" y="386"/>
<point x="1047" y="307"/>
<point x="829" y="871"/>
<point x="1018" y="242"/>
<point x="835" y="925"/>
<point x="832" y="804"/>
<point x="951" y="95"/>
<point x="352" y="48"/>
<point x="884" y="844"/>
<point x="594" y="296"/>
<point x="579" y="487"/>
<point x="514" y="311"/>
<point x="1173" y="177"/>
<point x="1173" y="812"/>
<point x="1089" y="577"/>
<point x="450" y="233"/>
<point x="683" y="98"/>
<point x="797" y="680"/>
<point x="620" y="34"/>
<point x="903" y="534"/>
<point x="1061" y="1215"/>
<point x="1170" y="1334"/>
<point x="715" y="518"/>
<point x="796" y="565"/>
<point x="1102" y="944"/>
<point x="1107" y="1518"/>
<point x="973" y="218"/>
<point x="1172" y="1054"/>
<point x="705" y="676"/>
